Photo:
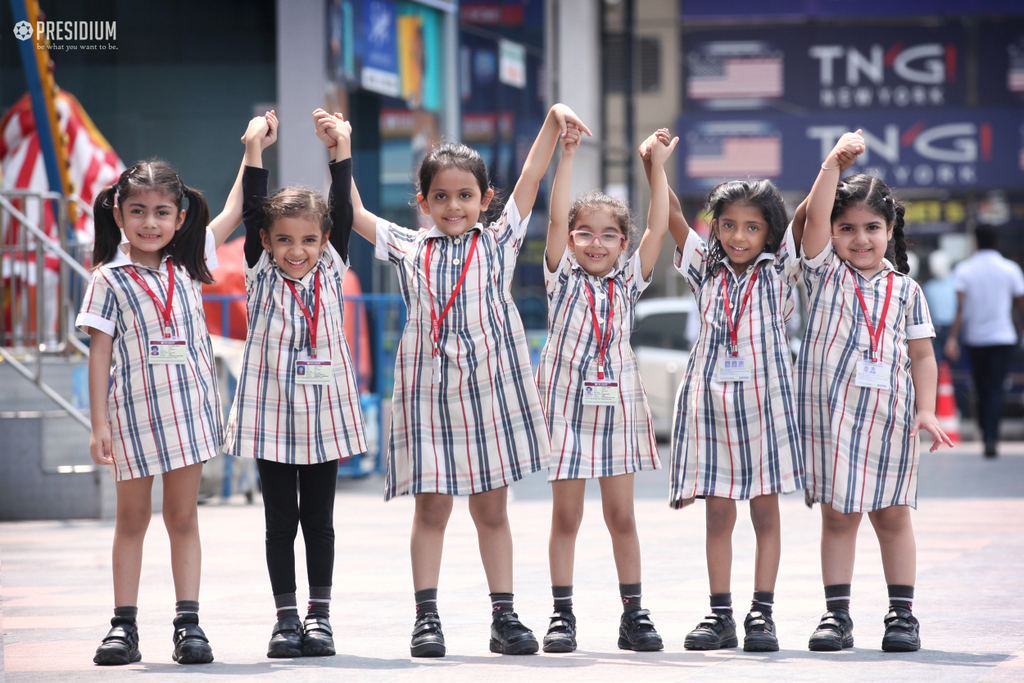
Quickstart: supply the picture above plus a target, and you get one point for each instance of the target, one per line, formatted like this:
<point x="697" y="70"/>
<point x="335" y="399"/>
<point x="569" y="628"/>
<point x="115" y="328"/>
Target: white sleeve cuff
<point x="211" y="250"/>
<point x="86" y="320"/>
<point x="381" y="244"/>
<point x="922" y="331"/>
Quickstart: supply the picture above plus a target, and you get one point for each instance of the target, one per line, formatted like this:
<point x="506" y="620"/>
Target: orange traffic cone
<point x="945" y="405"/>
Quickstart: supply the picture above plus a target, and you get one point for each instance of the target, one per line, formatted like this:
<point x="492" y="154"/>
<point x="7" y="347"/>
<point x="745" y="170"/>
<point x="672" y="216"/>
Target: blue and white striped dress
<point x="590" y="441"/>
<point x="738" y="440"/>
<point x="162" y="417"/>
<point x="273" y="417"/>
<point x="482" y="426"/>
<point x="859" y="454"/>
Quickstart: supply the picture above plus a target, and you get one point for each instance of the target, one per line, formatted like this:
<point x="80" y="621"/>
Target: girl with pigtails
<point x="866" y="388"/>
<point x="152" y="382"/>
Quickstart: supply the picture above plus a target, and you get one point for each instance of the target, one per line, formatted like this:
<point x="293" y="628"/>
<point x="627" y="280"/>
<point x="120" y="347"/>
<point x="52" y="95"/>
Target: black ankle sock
<point x="287" y="606"/>
<point x="426" y="601"/>
<point x="563" y="598"/>
<point x="125" y="615"/>
<point x="319" y="601"/>
<point x="837" y="596"/>
<point x="630" y="594"/>
<point x="901" y="596"/>
<point x="763" y="602"/>
<point x="501" y="603"/>
<point x="721" y="603"/>
<point x="186" y="612"/>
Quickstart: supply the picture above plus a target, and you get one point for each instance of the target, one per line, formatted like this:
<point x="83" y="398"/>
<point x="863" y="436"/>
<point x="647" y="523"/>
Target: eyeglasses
<point x="607" y="239"/>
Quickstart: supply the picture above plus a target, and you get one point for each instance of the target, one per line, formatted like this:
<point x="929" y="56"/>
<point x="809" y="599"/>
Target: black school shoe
<point x="190" y="643"/>
<point x="760" y="633"/>
<point x="715" y="632"/>
<point x="902" y="631"/>
<point x="636" y="632"/>
<point x="121" y="644"/>
<point x="561" y="635"/>
<point x="427" y="638"/>
<point x="317" y="637"/>
<point x="286" y="640"/>
<point x="834" y="632"/>
<point x="510" y="637"/>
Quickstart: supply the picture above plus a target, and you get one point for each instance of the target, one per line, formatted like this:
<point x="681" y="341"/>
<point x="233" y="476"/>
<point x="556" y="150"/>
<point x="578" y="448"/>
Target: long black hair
<point x="760" y="194"/>
<point x="877" y="197"/>
<point x="186" y="248"/>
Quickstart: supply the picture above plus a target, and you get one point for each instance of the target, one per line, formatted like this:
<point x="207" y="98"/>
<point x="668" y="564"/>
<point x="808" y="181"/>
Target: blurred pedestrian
<point x="988" y="286"/>
<point x="940" y="293"/>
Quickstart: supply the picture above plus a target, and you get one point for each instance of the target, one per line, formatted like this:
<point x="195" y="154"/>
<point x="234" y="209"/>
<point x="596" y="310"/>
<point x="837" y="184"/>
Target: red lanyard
<point x="602" y="340"/>
<point x="435" y="322"/>
<point x="874" y="334"/>
<point x="165" y="312"/>
<point x="311" y="319"/>
<point x="734" y="346"/>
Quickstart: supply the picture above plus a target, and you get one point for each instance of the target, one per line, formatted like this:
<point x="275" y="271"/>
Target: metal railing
<point x="42" y="281"/>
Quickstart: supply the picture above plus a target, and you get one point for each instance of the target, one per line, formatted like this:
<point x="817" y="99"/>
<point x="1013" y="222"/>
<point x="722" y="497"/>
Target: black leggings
<point x="294" y="494"/>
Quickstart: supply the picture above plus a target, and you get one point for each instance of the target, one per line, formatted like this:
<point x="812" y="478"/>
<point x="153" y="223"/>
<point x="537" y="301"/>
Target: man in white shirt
<point x="988" y="287"/>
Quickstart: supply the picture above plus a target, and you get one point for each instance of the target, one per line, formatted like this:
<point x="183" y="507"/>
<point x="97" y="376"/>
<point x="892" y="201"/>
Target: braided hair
<point x="877" y="197"/>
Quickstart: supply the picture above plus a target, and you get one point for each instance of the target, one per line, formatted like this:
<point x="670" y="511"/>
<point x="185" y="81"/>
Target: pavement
<point x="55" y="584"/>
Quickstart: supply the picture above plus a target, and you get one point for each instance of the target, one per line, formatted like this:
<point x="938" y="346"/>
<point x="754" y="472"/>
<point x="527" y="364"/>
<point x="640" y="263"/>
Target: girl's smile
<point x="295" y="244"/>
<point x="149" y="219"/>
<point x="454" y="201"/>
<point x="742" y="232"/>
<point x="861" y="238"/>
<point x="597" y="242"/>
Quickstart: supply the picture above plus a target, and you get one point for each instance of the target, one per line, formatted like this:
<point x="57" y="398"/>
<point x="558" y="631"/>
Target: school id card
<point x="734" y="369"/>
<point x="168" y="351"/>
<point x="600" y="392"/>
<point x="315" y="371"/>
<point x="872" y="375"/>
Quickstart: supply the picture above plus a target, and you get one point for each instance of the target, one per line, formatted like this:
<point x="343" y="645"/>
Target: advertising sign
<point x="946" y="149"/>
<point x="830" y="67"/>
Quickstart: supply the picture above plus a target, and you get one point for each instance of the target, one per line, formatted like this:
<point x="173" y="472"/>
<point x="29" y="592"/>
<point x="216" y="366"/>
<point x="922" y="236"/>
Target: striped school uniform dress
<point x="273" y="417"/>
<point x="481" y="427"/>
<point x="858" y="450"/>
<point x="738" y="440"/>
<point x="162" y="417"/>
<point x="590" y="441"/>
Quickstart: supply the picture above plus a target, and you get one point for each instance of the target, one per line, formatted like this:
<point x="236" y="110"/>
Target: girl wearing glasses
<point x="595" y="406"/>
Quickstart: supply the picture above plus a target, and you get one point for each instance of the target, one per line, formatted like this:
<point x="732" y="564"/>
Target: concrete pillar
<point x="573" y="36"/>
<point x="301" y="65"/>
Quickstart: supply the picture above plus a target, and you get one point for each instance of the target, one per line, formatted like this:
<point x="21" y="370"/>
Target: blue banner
<point x="829" y="67"/>
<point x="953" y="149"/>
<point x="1001" y="63"/>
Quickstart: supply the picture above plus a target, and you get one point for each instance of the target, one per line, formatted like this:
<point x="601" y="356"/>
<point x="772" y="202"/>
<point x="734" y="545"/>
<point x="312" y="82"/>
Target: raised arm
<point x="555" y="126"/>
<point x="677" y="225"/>
<point x="336" y="133"/>
<point x="657" y="214"/>
<point x="260" y="134"/>
<point x="363" y="221"/>
<point x="228" y="219"/>
<point x="818" y="224"/>
<point x="558" y="225"/>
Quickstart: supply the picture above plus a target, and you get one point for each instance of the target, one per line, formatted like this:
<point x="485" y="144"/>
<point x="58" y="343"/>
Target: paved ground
<point x="55" y="586"/>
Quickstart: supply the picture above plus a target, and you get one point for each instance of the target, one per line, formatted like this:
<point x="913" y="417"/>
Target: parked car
<point x="663" y="332"/>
